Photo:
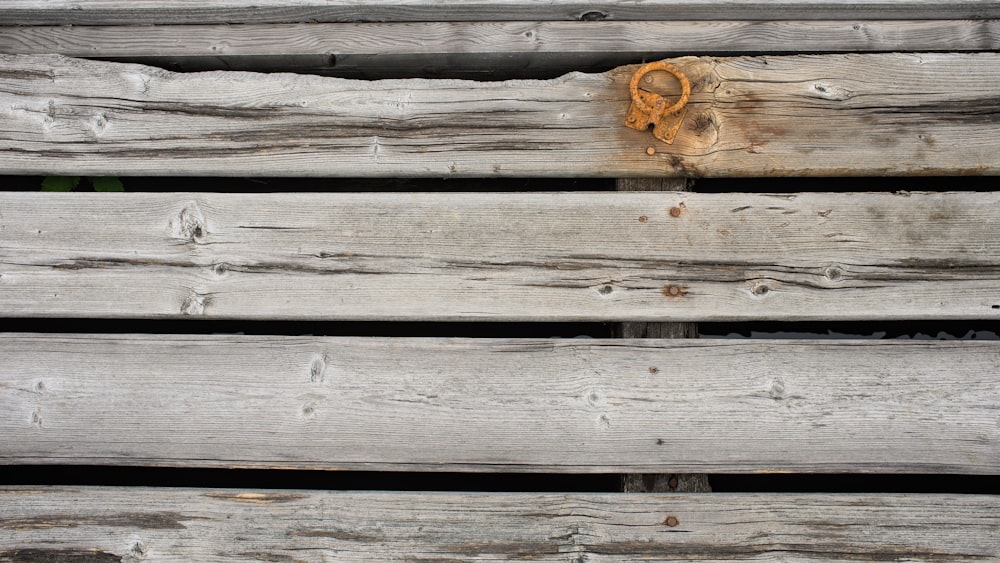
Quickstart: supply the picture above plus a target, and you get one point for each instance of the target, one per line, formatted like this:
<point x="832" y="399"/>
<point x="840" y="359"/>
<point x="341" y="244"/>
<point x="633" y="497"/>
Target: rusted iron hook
<point x="649" y="108"/>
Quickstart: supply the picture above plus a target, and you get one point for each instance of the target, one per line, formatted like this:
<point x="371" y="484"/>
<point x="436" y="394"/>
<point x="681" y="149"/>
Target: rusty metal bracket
<point x="649" y="108"/>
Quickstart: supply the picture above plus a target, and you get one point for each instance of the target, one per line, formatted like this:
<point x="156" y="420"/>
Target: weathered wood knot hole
<point x="654" y="370"/>
<point x="760" y="289"/>
<point x="593" y="16"/>
<point x="194" y="304"/>
<point x="191" y="224"/>
<point x="671" y="521"/>
<point x="308" y="411"/>
<point x="605" y="289"/>
<point x="317" y="370"/>
<point x="833" y="273"/>
<point x="138" y="549"/>
<point x="40" y="387"/>
<point x="776" y="389"/>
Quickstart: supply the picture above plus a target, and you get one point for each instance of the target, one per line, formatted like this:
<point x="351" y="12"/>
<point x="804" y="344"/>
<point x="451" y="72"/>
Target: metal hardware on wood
<point x="649" y="108"/>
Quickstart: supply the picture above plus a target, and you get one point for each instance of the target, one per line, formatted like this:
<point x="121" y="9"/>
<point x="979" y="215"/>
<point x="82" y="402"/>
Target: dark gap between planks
<point x="344" y="185"/>
<point x="479" y="67"/>
<point x="88" y="475"/>
<point x="919" y="330"/>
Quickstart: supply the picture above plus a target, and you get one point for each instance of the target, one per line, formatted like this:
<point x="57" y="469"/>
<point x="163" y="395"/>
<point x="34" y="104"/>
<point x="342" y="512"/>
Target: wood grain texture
<point x="501" y="256"/>
<point x="128" y="524"/>
<point x="875" y="114"/>
<point x="487" y="48"/>
<point x="523" y="405"/>
<point x="97" y="12"/>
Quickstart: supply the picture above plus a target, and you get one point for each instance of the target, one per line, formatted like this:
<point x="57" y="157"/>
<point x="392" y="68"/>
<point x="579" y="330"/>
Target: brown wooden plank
<point x="877" y="114"/>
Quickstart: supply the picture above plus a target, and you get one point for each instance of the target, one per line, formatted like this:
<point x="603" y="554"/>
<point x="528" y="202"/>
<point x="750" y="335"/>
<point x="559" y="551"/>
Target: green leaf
<point x="107" y="184"/>
<point x="60" y="183"/>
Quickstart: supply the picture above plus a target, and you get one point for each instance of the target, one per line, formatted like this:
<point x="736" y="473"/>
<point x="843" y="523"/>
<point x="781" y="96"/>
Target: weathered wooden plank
<point x="113" y="524"/>
<point x="488" y="256"/>
<point x="429" y="404"/>
<point x="428" y="48"/>
<point x="870" y="114"/>
<point x="97" y="12"/>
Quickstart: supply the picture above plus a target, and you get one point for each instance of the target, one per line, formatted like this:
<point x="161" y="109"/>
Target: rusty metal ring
<point x="633" y="87"/>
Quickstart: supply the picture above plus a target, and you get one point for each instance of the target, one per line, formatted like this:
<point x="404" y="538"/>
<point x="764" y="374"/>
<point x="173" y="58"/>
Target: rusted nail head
<point x="675" y="211"/>
<point x="631" y="119"/>
<point x="648" y="79"/>
<point x="650" y="151"/>
<point x="643" y="218"/>
<point x="673" y="291"/>
<point x="671" y="521"/>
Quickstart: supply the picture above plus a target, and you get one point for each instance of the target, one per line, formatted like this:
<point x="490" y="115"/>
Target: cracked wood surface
<point x="874" y="114"/>
<point x="502" y="405"/>
<point x="96" y="12"/>
<point x="126" y="524"/>
<point x="482" y="49"/>
<point x="501" y="256"/>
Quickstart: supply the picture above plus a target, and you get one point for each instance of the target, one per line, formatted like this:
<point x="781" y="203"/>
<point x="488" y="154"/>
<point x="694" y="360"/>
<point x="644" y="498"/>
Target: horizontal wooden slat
<point x="508" y="256"/>
<point x="523" y="405"/>
<point x="95" y="12"/>
<point x="430" y="48"/>
<point x="125" y="524"/>
<point x="875" y="114"/>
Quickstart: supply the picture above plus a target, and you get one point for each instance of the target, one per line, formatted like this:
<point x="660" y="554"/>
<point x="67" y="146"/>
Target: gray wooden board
<point x="129" y="524"/>
<point x="96" y="12"/>
<point x="508" y="405"/>
<point x="874" y="114"/>
<point x="629" y="41"/>
<point x="501" y="256"/>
